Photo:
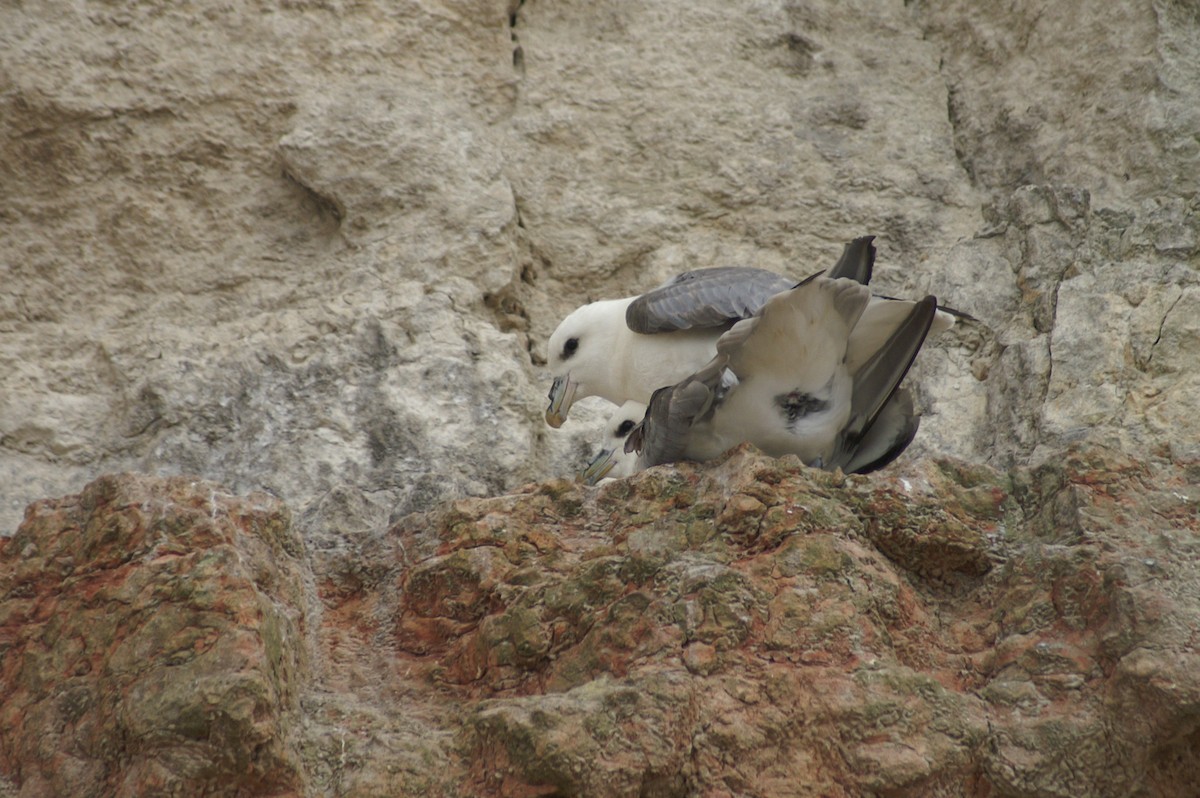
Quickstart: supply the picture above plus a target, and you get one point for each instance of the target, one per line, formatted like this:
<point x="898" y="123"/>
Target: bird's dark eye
<point x="570" y="346"/>
<point x="626" y="425"/>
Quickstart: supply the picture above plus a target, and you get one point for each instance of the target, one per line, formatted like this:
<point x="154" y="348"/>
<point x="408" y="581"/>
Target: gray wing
<point x="662" y="437"/>
<point x="714" y="297"/>
<point x="876" y="382"/>
<point x="731" y="342"/>
<point x="885" y="440"/>
<point x="857" y="262"/>
<point x="704" y="298"/>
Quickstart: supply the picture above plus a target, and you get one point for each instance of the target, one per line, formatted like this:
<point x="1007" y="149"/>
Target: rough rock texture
<point x="750" y="628"/>
<point x="318" y="247"/>
<point x="152" y="642"/>
<point x="315" y="249"/>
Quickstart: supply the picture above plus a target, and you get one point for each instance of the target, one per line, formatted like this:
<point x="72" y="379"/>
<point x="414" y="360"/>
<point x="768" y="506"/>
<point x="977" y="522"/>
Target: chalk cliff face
<point x="319" y="246"/>
<point x="313" y="251"/>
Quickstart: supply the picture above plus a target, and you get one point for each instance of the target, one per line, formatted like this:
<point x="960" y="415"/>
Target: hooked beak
<point x="562" y="396"/>
<point x="598" y="469"/>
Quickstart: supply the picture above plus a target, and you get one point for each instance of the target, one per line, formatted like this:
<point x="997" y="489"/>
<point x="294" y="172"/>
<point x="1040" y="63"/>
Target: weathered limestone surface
<point x="318" y="247"/>
<point x="312" y="251"/>
<point x="749" y="628"/>
<point x="152" y="642"/>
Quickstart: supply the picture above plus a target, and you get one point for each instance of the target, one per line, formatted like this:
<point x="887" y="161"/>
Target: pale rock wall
<point x="317" y="247"/>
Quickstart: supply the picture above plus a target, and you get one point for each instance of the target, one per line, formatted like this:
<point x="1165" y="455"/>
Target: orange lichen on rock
<point x="745" y="627"/>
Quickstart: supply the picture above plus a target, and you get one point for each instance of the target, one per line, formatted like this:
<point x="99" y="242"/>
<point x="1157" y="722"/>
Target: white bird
<point x="612" y="461"/>
<point x="624" y="349"/>
<point x="793" y="380"/>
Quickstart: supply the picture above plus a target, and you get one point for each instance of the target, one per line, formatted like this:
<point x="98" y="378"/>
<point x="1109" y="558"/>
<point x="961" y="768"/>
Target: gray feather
<point x="704" y="298"/>
<point x="857" y="262"/>
<point x="663" y="434"/>
<point x="878" y="379"/>
<point x="884" y="441"/>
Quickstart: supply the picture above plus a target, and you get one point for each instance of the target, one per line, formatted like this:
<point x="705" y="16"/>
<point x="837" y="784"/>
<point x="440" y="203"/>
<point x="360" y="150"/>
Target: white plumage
<point x="811" y="343"/>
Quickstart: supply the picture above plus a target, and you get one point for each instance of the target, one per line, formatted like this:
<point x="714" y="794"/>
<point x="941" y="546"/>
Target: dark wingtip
<point x="807" y="280"/>
<point x="907" y="433"/>
<point x="958" y="314"/>
<point x="636" y="439"/>
<point x="857" y="261"/>
<point x="879" y="378"/>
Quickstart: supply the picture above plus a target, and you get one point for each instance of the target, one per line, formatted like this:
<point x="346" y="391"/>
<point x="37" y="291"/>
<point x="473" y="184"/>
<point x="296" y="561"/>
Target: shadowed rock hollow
<point x="312" y="252"/>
